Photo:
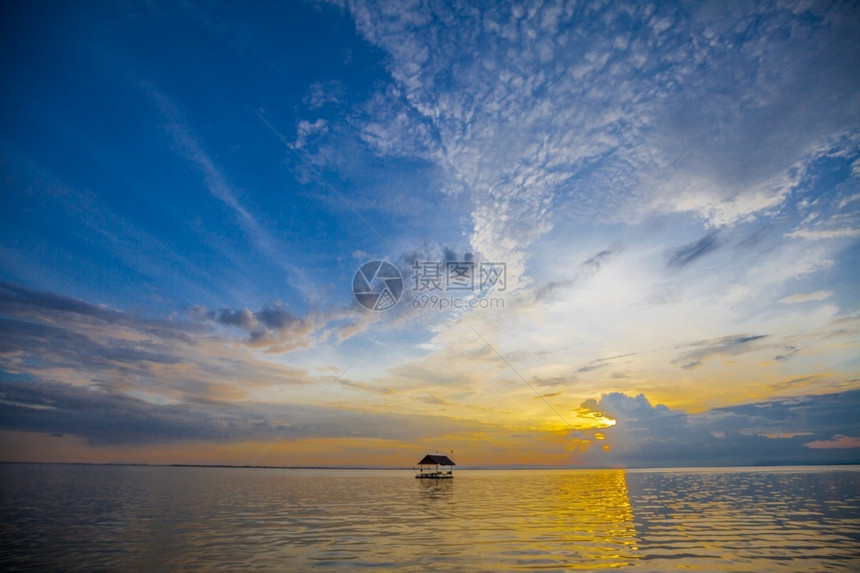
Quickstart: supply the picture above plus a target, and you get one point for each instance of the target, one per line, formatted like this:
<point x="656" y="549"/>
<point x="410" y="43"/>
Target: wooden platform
<point x="434" y="475"/>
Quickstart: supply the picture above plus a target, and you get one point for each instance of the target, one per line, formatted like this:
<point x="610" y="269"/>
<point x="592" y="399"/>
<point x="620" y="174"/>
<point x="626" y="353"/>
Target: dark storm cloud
<point x="771" y="432"/>
<point x="686" y="254"/>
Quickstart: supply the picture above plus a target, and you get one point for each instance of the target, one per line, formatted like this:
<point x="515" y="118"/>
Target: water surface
<point x="115" y="517"/>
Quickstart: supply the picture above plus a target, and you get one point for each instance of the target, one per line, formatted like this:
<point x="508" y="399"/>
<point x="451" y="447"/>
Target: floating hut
<point x="429" y="467"/>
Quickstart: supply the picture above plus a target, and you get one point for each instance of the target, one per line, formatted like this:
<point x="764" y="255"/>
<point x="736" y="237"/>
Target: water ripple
<point x="143" y="518"/>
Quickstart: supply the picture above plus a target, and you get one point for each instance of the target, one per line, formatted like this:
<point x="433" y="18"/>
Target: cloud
<point x="585" y="271"/>
<point x="459" y="104"/>
<point x="272" y="327"/>
<point x="602" y="362"/>
<point x="856" y="196"/>
<point x="19" y="301"/>
<point x="548" y="112"/>
<point x="61" y="345"/>
<point x="305" y="130"/>
<point x="725" y="346"/>
<point x="683" y="256"/>
<point x="837" y="442"/>
<point x="218" y="184"/>
<point x="110" y="418"/>
<point x="54" y="338"/>
<point x="808" y="296"/>
<point x="798" y="382"/>
<point x="105" y="418"/>
<point x="737" y="139"/>
<point x="788" y="352"/>
<point x="824" y="234"/>
<point x="240" y="318"/>
<point x="321" y="94"/>
<point x="768" y="432"/>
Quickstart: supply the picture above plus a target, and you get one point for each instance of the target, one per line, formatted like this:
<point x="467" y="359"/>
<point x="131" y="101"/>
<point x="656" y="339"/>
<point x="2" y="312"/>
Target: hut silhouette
<point x="429" y="467"/>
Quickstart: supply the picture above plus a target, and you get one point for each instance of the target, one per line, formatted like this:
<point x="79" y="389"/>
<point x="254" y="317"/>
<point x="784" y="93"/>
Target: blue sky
<point x="188" y="191"/>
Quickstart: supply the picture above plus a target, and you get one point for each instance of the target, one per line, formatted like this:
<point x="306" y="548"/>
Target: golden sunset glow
<point x="449" y="285"/>
<point x="559" y="234"/>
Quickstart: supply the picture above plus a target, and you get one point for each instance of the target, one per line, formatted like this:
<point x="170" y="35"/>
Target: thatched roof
<point x="436" y="460"/>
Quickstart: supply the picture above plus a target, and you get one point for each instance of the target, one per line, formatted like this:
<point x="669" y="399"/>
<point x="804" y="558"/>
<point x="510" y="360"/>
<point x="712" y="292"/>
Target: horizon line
<point x="460" y="468"/>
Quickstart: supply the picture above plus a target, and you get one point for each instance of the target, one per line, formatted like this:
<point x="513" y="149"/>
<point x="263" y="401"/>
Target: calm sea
<point x="153" y="518"/>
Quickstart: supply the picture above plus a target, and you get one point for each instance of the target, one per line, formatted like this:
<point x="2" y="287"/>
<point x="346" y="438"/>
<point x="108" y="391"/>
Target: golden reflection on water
<point x="149" y="518"/>
<point x="551" y="519"/>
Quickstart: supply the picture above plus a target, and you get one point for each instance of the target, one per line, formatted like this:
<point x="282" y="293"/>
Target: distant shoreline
<point x="478" y="468"/>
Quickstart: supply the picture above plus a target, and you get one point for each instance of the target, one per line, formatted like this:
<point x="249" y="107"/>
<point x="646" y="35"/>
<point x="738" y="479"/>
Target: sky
<point x="306" y="233"/>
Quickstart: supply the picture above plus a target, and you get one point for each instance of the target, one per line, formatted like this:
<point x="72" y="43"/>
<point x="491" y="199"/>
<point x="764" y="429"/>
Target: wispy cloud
<point x="837" y="442"/>
<point x="586" y="270"/>
<point x="91" y="369"/>
<point x="602" y="362"/>
<point x="725" y="346"/>
<point x="64" y="340"/>
<point x="683" y="256"/>
<point x="321" y="94"/>
<point x="105" y="419"/>
<point x="824" y="234"/>
<point x="807" y="296"/>
<point x="217" y="183"/>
